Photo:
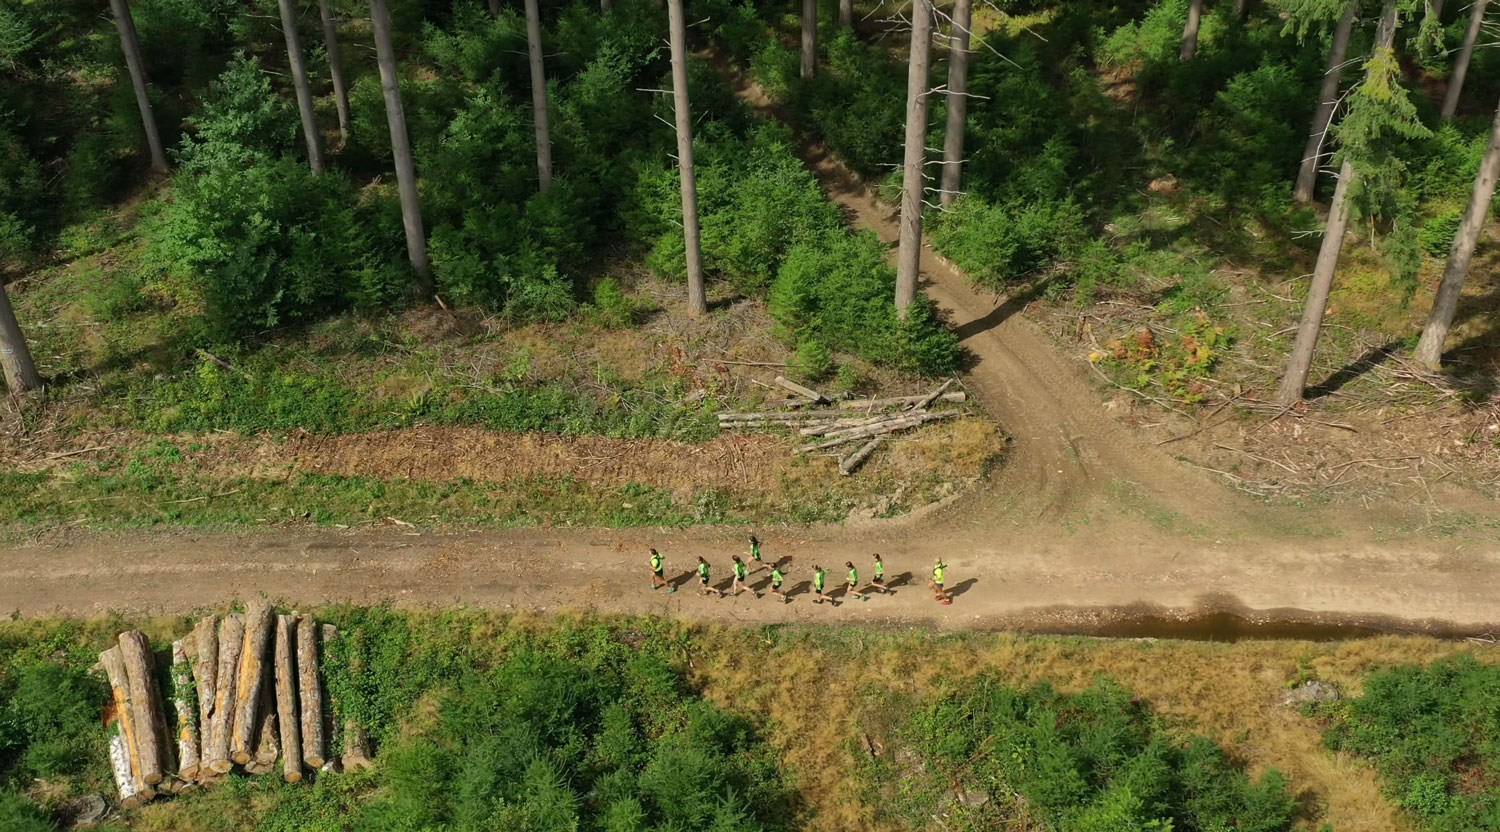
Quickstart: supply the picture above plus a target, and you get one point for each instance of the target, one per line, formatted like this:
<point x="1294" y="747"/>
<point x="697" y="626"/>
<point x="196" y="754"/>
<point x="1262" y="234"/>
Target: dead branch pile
<point x="247" y="690"/>
<point x="867" y="421"/>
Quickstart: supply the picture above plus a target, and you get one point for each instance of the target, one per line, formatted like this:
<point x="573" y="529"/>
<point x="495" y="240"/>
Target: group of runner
<point x="742" y="572"/>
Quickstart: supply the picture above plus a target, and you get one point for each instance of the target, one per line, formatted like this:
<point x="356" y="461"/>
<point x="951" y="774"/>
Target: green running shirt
<point x="818" y="580"/>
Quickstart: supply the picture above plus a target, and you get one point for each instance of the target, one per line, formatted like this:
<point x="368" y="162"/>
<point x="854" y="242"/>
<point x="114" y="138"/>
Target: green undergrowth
<point x="1431" y="733"/>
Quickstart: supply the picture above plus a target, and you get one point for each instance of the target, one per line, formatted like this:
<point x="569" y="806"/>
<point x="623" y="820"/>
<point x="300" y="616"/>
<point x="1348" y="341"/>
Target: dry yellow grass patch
<point x="810" y="687"/>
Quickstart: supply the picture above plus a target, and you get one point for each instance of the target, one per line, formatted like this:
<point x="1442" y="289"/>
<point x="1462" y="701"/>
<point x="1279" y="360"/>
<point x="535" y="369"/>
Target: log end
<point x="239" y="758"/>
<point x="354" y="762"/>
<point x="188" y="772"/>
<point x="220" y="766"/>
<point x="314" y="761"/>
<point x="152" y="778"/>
<point x="293" y="776"/>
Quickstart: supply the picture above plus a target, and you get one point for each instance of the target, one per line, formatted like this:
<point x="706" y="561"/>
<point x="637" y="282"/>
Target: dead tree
<point x="1190" y="31"/>
<point x="15" y="356"/>
<point x="1328" y="95"/>
<point x="697" y="297"/>
<point x="958" y="101"/>
<point x="1435" y="334"/>
<point x="335" y="67"/>
<point x="299" y="83"/>
<point x="406" y="166"/>
<point x="539" y="95"/>
<point x="914" y="175"/>
<point x="1299" y="363"/>
<point x="1461" y="63"/>
<point x="130" y="43"/>
<point x="809" y="38"/>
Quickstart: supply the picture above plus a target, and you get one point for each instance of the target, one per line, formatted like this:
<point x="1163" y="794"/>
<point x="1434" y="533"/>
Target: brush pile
<point x="246" y="690"/>
<point x="868" y="421"/>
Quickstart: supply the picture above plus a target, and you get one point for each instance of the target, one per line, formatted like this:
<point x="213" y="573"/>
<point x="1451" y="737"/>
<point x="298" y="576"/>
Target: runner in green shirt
<point x="740" y="573"/>
<point x="755" y="552"/>
<point x="879" y="580"/>
<point x="776" y="580"/>
<point x="658" y="579"/>
<point x="703" y="578"/>
<point x="819" y="576"/>
<point x="853" y="581"/>
<point x="938" y="568"/>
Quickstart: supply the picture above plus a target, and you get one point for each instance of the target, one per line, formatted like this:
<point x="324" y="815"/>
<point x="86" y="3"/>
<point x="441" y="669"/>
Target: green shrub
<point x="1436" y="235"/>
<point x="611" y="307"/>
<point x="839" y="290"/>
<point x="17" y="814"/>
<point x="812" y="360"/>
<point x="1430" y="732"/>
<point x="1000" y="244"/>
<point x="1097" y="761"/>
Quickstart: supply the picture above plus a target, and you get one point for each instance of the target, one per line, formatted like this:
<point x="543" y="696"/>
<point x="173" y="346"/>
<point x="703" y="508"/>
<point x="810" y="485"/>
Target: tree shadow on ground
<point x="1372" y="358"/>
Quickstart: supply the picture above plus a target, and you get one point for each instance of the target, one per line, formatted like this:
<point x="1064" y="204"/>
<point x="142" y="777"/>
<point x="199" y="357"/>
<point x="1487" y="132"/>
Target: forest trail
<point x="1065" y="451"/>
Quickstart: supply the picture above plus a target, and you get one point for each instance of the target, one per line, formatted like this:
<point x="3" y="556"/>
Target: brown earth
<point x="1085" y="520"/>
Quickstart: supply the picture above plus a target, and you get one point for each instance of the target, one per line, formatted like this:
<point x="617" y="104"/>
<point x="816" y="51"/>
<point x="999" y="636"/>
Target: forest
<point x="434" y="317"/>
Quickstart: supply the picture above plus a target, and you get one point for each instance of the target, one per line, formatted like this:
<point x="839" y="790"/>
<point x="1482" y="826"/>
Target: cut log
<point x="310" y="693"/>
<point x="267" y="741"/>
<point x="900" y="401"/>
<point x="248" y="685"/>
<point x="900" y="423"/>
<point x="330" y="634"/>
<point x="775" y="415"/>
<point x="204" y="652"/>
<point x="356" y="747"/>
<point x="844" y="424"/>
<point x="119" y="764"/>
<point x="921" y="416"/>
<point x="113" y="663"/>
<point x="136" y="653"/>
<point x="850" y="463"/>
<point x="799" y="389"/>
<point x="221" y="725"/>
<point x="932" y="397"/>
<point x="185" y="701"/>
<point x="288" y="715"/>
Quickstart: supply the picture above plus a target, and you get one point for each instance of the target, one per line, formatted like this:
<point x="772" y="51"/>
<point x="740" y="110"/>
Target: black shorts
<point x="776" y="585"/>
<point x="703" y="579"/>
<point x="657" y="573"/>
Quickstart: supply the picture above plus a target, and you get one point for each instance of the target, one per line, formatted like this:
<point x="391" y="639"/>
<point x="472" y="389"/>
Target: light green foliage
<point x="1430" y="732"/>
<point x="1094" y="761"/>
<point x="999" y="245"/>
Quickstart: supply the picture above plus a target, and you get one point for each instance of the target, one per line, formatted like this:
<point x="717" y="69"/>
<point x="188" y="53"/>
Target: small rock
<point x="1310" y="691"/>
<point x="88" y="809"/>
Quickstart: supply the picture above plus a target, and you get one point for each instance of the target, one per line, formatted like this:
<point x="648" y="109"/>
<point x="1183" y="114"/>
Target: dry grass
<point x="810" y="687"/>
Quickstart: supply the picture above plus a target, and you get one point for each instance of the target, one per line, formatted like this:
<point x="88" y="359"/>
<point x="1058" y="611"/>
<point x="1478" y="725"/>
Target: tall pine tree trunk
<point x="697" y="297"/>
<point x="539" y="95"/>
<point x="1299" y="363"/>
<point x="846" y="13"/>
<point x="1190" y="31"/>
<point x="606" y="5"/>
<point x="809" y="38"/>
<point x="913" y="173"/>
<point x="299" y="82"/>
<point x="1430" y="348"/>
<point x="1241" y="8"/>
<point x="15" y="358"/>
<point x="958" y="102"/>
<point x="1328" y="95"/>
<point x="335" y="67"/>
<point x="130" y="43"/>
<point x="1461" y="64"/>
<point x="406" y="166"/>
<point x="495" y="7"/>
<point x="1437" y="10"/>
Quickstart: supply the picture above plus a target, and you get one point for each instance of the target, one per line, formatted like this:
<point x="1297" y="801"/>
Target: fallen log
<point x="891" y="426"/>
<point x="113" y="663"/>
<point x="310" y="693"/>
<point x="187" y="712"/>
<point x="793" y="386"/>
<point x="144" y="707"/>
<point x="251" y="675"/>
<point x="287" y="714"/>
<point x="932" y="397"/>
<point x="920" y="417"/>
<point x="848" y="464"/>
<point x="267" y="739"/>
<point x="842" y="424"/>
<point x="231" y="641"/>
<point x="900" y="401"/>
<point x="778" y="415"/>
<point x="204" y="652"/>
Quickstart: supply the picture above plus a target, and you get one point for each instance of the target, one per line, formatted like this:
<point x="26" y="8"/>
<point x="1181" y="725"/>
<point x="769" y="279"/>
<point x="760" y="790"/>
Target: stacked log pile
<point x="247" y="690"/>
<point x="866" y="421"/>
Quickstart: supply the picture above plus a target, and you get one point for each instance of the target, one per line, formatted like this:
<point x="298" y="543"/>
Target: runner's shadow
<point x="762" y="584"/>
<point x="962" y="587"/>
<point x="901" y="580"/>
<point x="680" y="581"/>
<point x="799" y="588"/>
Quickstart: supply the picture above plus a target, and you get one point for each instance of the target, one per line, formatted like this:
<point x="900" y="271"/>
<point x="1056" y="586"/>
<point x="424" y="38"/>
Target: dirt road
<point x="1085" y="522"/>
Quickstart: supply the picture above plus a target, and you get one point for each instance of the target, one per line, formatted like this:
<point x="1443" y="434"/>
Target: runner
<point x="659" y="580"/>
<point x="853" y="589"/>
<point x="703" y="578"/>
<point x="819" y="575"/>
<point x="878" y="583"/>
<point x="755" y="552"/>
<point x="740" y="573"/>
<point x="776" y="580"/>
<point x="937" y="581"/>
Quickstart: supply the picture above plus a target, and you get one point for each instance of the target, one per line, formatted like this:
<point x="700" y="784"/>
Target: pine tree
<point x="1190" y="31"/>
<point x="958" y="101"/>
<point x="539" y="95"/>
<point x="15" y="357"/>
<point x="406" y="166"/>
<point x="300" y="85"/>
<point x="1328" y="94"/>
<point x="697" y="297"/>
<point x="335" y="67"/>
<point x="809" y="38"/>
<point x="130" y="44"/>
<point x="913" y="170"/>
<point x="1461" y="63"/>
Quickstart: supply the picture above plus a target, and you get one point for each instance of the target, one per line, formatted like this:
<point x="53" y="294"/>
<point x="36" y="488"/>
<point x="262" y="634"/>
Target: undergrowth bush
<point x="1430" y="732"/>
<point x="1096" y="761"/>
